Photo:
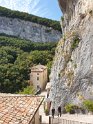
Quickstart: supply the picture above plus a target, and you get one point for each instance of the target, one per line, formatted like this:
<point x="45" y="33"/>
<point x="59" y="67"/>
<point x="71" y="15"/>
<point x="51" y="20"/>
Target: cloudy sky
<point x="43" y="8"/>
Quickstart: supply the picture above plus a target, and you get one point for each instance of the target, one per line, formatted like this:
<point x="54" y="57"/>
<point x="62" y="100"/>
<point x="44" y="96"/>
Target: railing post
<point x="49" y="120"/>
<point x="40" y="119"/>
<point x="63" y="121"/>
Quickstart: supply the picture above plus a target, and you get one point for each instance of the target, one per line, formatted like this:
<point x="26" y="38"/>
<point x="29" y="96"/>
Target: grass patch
<point x="75" y="43"/>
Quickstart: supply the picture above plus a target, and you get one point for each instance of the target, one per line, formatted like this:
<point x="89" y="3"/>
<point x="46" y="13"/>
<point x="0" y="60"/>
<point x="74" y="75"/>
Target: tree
<point x="17" y="57"/>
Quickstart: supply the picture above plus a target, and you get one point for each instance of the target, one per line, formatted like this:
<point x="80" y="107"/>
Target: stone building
<point x="19" y="109"/>
<point x="38" y="76"/>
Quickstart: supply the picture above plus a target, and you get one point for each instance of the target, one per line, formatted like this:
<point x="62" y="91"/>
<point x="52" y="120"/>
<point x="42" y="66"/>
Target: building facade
<point x="38" y="76"/>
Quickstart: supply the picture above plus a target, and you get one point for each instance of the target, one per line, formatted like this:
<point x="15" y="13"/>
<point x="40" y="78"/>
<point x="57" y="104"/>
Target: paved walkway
<point x="73" y="119"/>
<point x="45" y="119"/>
<point x="80" y="118"/>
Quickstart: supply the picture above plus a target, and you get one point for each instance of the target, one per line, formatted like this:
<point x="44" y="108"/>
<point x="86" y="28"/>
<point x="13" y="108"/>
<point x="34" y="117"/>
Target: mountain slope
<point x="28" y="26"/>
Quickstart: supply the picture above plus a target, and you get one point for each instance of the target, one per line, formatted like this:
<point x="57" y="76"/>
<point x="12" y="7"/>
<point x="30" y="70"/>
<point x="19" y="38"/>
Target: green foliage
<point x="26" y="45"/>
<point x="49" y="65"/>
<point x="28" y="17"/>
<point x="62" y="18"/>
<point x="75" y="43"/>
<point x="70" y="108"/>
<point x="46" y="111"/>
<point x="88" y="104"/>
<point x="45" y="56"/>
<point x="16" y="58"/>
<point x="75" y="65"/>
<point x="11" y="78"/>
<point x="48" y="30"/>
<point x="28" y="90"/>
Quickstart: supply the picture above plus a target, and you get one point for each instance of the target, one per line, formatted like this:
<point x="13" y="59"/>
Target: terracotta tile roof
<point x="18" y="109"/>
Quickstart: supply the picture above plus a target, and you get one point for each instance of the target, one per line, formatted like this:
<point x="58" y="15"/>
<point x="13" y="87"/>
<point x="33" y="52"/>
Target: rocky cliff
<point x="28" y="30"/>
<point x="72" y="71"/>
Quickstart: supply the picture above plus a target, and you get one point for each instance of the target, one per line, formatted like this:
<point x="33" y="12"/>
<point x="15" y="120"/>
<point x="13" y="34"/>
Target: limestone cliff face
<point x="28" y="30"/>
<point x="72" y="72"/>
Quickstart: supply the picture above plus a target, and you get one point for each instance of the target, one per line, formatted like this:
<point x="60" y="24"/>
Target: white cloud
<point x="30" y="6"/>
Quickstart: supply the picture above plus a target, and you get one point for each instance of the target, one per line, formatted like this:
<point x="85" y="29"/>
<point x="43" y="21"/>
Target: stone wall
<point x="72" y="71"/>
<point x="28" y="30"/>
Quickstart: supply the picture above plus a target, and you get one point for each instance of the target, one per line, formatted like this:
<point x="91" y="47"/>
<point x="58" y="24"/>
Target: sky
<point x="43" y="8"/>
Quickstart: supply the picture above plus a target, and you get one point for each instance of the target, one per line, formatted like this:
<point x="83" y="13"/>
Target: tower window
<point x="37" y="78"/>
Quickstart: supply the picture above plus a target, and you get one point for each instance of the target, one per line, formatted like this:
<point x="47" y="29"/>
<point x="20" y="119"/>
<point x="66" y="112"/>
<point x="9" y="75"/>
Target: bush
<point x="75" y="43"/>
<point x="82" y="109"/>
<point x="88" y="104"/>
<point x="28" y="90"/>
<point x="46" y="111"/>
<point x="71" y="108"/>
<point x="62" y="18"/>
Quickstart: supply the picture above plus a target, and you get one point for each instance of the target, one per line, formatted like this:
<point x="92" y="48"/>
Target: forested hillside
<point x="28" y="17"/>
<point x="16" y="58"/>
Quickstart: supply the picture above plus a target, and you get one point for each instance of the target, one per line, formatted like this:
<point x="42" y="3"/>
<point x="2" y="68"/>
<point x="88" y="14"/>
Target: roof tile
<point x="18" y="109"/>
